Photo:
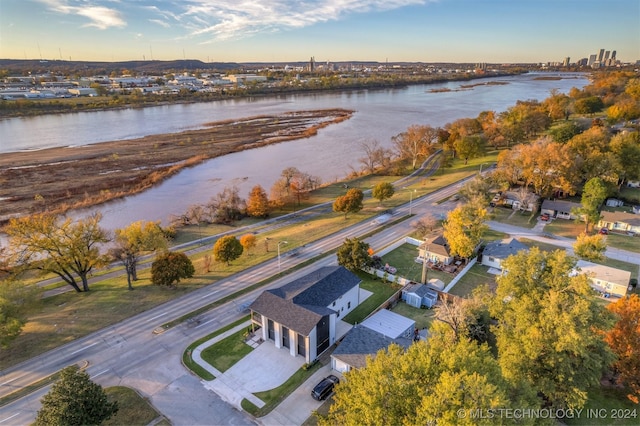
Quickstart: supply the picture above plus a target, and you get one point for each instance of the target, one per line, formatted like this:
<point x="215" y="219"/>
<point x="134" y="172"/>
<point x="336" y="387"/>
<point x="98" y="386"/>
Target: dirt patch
<point x="60" y="179"/>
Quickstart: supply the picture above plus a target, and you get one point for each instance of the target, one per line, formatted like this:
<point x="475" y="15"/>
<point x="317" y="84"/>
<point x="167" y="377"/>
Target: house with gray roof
<point x="559" y="209"/>
<point x="373" y="334"/>
<point x="496" y="252"/>
<point x="620" y="221"/>
<point x="301" y="316"/>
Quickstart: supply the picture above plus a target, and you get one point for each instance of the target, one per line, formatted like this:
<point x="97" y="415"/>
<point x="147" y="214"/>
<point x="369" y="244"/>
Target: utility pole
<point x="424" y="263"/>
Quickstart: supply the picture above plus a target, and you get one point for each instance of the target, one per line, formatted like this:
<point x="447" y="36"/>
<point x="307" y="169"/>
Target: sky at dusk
<point x="494" y="31"/>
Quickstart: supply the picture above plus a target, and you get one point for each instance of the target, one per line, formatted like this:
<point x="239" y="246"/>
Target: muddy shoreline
<point x="61" y="179"/>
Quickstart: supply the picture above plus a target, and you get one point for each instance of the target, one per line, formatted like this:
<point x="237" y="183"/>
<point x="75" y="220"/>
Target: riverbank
<point x="61" y="179"/>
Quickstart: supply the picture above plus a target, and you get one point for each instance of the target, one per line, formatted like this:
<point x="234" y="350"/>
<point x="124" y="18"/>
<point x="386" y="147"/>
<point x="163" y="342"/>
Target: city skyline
<point x="493" y="31"/>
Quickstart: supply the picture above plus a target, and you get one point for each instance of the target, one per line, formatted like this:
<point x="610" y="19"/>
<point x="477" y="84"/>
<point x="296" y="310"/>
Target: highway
<point x="130" y="354"/>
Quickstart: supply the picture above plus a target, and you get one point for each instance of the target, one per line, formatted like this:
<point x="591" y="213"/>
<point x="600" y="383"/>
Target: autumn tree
<point x="425" y="384"/>
<point x="593" y="195"/>
<point x="383" y="191"/>
<point x="374" y="156"/>
<point x="227" y="249"/>
<point x="424" y="225"/>
<point x="248" y="241"/>
<point x="351" y="202"/>
<point x="353" y="254"/>
<point x="624" y="341"/>
<point x="464" y="227"/>
<point x="170" y="268"/>
<point x="258" y="202"/>
<point x="589" y="152"/>
<point x="545" y="317"/>
<point x="75" y="400"/>
<point x="590" y="247"/>
<point x="589" y="105"/>
<point x="625" y="146"/>
<point x="69" y="249"/>
<point x="227" y="206"/>
<point x="414" y="143"/>
<point x="16" y="299"/>
<point x="133" y="241"/>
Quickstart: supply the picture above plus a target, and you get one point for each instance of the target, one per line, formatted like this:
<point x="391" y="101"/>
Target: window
<point x="334" y="304"/>
<point x="348" y="305"/>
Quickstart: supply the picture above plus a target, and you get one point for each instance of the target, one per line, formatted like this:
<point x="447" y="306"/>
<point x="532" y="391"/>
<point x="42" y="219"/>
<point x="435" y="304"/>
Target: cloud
<point x="232" y="19"/>
<point x="101" y="17"/>
<point x="160" y="22"/>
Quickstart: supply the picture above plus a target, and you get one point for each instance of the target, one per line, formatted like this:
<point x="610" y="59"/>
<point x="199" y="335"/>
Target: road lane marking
<point x="9" y="418"/>
<point x="157" y="316"/>
<point x="82" y="349"/>
<point x="9" y="381"/>
<point x="100" y="373"/>
<point x="205" y="323"/>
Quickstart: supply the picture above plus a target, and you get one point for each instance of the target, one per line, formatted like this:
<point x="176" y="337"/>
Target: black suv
<point x="324" y="388"/>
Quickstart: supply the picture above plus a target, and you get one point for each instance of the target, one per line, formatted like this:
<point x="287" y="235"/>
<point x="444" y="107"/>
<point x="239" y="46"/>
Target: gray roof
<point x="502" y="249"/>
<point x="361" y="342"/>
<point x="301" y="304"/>
<point x="420" y="290"/>
<point x="320" y="287"/>
<point x="560" y="206"/>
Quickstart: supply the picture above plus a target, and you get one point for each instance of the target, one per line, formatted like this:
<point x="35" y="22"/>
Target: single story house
<point x="620" y="221"/>
<point x="518" y="201"/>
<point x="606" y="280"/>
<point x="496" y="252"/>
<point x="365" y="340"/>
<point x="559" y="209"/>
<point x="435" y="250"/>
<point x="419" y="295"/>
<point x="301" y="316"/>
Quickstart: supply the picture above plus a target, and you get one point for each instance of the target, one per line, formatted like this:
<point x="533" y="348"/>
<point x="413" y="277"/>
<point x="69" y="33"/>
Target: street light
<point x="280" y="242"/>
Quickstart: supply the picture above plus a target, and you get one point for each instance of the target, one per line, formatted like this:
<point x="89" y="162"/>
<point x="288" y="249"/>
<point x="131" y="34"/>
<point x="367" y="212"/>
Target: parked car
<point x="604" y="231"/>
<point x="323" y="389"/>
<point x="545" y="216"/>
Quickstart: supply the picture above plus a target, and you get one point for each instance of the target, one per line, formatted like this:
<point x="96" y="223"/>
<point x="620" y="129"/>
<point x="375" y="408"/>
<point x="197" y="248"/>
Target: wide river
<point x="331" y="155"/>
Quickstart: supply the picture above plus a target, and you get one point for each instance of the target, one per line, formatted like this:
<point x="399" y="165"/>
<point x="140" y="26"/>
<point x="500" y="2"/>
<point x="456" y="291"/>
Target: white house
<point x="606" y="280"/>
<point x="496" y="252"/>
<point x="375" y="333"/>
<point x="620" y="221"/>
<point x="301" y="316"/>
<point x="436" y="250"/>
<point x="559" y="209"/>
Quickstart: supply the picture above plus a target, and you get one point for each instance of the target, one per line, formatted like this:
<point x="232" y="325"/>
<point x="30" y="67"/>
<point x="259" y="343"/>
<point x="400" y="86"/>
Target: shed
<point x="419" y="295"/>
<point x="614" y="202"/>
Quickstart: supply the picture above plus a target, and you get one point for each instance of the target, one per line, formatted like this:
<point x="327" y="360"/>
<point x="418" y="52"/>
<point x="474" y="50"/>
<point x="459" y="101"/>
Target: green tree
<point x="133" y="241"/>
<point x="170" y="268"/>
<point x="351" y="202"/>
<point x="226" y="249"/>
<point x="15" y="300"/>
<point x="383" y="191"/>
<point x="464" y="227"/>
<point x="353" y="254"/>
<point x="589" y="105"/>
<point x="593" y="195"/>
<point x="590" y="247"/>
<point x="469" y="147"/>
<point x="545" y="320"/>
<point x="626" y="148"/>
<point x="75" y="400"/>
<point x="258" y="202"/>
<point x="68" y="249"/>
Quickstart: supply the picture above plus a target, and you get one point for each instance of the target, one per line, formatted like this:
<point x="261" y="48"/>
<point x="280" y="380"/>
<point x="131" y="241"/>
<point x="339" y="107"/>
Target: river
<point x="331" y="154"/>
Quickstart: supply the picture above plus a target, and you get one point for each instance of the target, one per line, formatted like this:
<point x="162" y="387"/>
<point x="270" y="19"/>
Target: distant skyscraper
<point x="592" y="59"/>
<point x="613" y="56"/>
<point x="606" y="55"/>
<point x="312" y="64"/>
<point x="566" y="61"/>
<point x="600" y="55"/>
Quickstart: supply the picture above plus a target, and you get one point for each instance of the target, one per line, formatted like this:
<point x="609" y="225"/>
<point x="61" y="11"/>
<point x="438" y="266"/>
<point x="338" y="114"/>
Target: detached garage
<point x="419" y="295"/>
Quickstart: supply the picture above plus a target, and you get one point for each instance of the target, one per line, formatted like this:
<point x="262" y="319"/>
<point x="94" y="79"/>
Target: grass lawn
<point x="571" y="229"/>
<point x="422" y="317"/>
<point x="403" y="259"/>
<point x="381" y="292"/>
<point x="514" y="217"/>
<point x="133" y="410"/>
<point x="474" y="277"/>
<point x="225" y="353"/>
<point x="607" y="406"/>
